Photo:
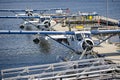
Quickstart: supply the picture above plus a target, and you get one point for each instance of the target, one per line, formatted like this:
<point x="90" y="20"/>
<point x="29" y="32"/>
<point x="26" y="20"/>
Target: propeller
<point x="87" y="46"/>
<point x="83" y="53"/>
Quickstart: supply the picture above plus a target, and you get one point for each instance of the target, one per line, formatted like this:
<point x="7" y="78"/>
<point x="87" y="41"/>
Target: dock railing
<point x="100" y="68"/>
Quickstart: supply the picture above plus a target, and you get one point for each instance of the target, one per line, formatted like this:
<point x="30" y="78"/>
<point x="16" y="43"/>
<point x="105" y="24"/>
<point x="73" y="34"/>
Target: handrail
<point x="63" y="69"/>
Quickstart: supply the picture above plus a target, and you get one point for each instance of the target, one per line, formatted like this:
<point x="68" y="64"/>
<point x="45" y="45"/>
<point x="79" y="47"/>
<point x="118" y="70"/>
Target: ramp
<point x="96" y="68"/>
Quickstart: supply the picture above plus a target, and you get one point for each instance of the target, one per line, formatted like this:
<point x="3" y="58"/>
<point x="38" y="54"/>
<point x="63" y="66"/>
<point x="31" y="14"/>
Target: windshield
<point x="43" y="19"/>
<point x="79" y="37"/>
<point x="87" y="35"/>
<point x="47" y="18"/>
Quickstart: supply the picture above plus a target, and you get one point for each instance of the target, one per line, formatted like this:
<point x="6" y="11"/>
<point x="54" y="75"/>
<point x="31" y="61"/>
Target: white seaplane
<point x="38" y="20"/>
<point x="80" y="41"/>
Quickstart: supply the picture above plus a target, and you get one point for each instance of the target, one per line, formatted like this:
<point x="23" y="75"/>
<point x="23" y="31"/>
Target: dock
<point x="85" y="69"/>
<point x="100" y="20"/>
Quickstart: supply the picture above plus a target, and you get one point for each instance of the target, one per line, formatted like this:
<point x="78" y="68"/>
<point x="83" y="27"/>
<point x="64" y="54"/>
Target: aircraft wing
<point x="26" y="17"/>
<point x="19" y="17"/>
<point x="94" y="32"/>
<point x="12" y="10"/>
<point x="66" y="16"/>
<point x="97" y="32"/>
<point x="37" y="32"/>
<point x="32" y="10"/>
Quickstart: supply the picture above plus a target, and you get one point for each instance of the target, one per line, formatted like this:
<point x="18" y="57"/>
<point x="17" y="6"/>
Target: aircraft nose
<point x="87" y="44"/>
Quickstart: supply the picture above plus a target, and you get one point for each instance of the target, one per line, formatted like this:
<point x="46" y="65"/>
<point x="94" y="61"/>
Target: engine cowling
<point x="83" y="45"/>
<point x="87" y="43"/>
<point x="47" y="24"/>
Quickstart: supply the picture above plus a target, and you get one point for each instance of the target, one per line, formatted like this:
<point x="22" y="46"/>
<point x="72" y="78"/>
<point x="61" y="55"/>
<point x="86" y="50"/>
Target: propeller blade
<point x="83" y="53"/>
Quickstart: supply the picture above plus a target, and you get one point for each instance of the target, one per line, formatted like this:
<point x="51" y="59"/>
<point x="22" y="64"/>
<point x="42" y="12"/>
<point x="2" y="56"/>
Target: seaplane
<point x="29" y="12"/>
<point x="80" y="42"/>
<point x="39" y="20"/>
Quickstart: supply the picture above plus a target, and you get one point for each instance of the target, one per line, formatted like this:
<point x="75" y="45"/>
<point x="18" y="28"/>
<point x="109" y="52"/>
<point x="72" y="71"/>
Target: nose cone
<point x="88" y="43"/>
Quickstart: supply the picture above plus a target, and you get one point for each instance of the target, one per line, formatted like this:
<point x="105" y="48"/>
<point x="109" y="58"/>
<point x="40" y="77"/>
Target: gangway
<point x="95" y="68"/>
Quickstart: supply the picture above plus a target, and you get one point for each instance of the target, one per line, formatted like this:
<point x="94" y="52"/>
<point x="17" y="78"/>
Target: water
<point x="19" y="50"/>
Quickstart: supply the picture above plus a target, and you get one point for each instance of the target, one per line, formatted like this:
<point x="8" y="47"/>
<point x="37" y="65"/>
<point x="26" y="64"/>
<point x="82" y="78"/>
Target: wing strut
<point x="62" y="44"/>
<point x="105" y="39"/>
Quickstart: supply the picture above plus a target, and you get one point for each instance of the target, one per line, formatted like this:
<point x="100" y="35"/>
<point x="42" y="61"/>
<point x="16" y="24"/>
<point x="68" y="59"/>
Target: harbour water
<point x="19" y="50"/>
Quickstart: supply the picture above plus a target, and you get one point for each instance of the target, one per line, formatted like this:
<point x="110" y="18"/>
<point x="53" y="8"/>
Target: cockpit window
<point x="79" y="37"/>
<point x="87" y="35"/>
<point x="47" y="18"/>
<point x="42" y="19"/>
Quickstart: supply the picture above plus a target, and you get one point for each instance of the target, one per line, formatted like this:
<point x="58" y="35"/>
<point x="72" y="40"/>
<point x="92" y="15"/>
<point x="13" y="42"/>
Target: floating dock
<point x="86" y="69"/>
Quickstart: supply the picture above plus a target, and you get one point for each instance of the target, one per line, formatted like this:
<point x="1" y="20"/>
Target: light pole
<point x="107" y="13"/>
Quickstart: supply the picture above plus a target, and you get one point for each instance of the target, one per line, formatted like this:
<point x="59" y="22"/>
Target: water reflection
<point x="44" y="46"/>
